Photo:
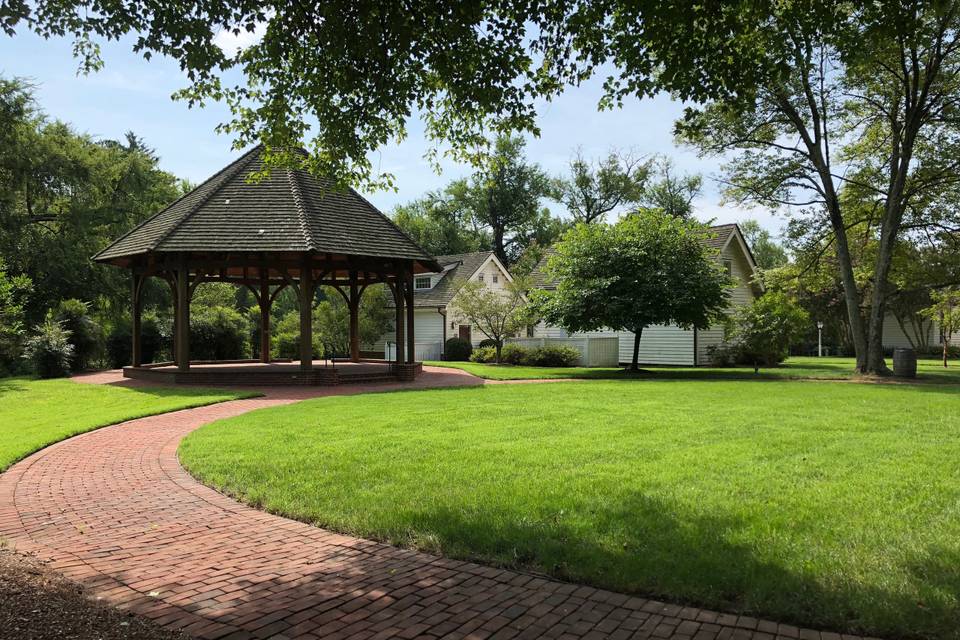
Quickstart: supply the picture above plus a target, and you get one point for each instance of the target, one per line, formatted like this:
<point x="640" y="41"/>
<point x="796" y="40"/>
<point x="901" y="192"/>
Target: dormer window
<point x="422" y="282"/>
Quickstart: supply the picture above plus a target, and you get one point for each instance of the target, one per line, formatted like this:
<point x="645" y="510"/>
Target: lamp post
<point x="819" y="339"/>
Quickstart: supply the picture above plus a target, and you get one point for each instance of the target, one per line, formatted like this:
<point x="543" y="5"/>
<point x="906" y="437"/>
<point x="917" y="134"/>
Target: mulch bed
<point x="39" y="604"/>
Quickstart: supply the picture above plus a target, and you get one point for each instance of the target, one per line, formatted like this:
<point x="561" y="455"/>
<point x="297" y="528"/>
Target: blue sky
<point x="131" y="93"/>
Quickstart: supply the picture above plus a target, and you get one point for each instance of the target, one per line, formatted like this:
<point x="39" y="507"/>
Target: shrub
<point x="553" y="356"/>
<point x="86" y="336"/>
<point x="763" y="331"/>
<point x="488" y="342"/>
<point x="514" y="354"/>
<point x="484" y="354"/>
<point x="119" y="342"/>
<point x="723" y="355"/>
<point x="49" y="351"/>
<point x="13" y="294"/>
<point x="219" y="333"/>
<point x="457" y="349"/>
<point x="285" y="338"/>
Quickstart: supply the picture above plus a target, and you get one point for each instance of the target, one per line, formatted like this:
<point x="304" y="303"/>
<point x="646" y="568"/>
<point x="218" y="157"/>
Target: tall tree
<point x="506" y="195"/>
<point x="596" y="188"/>
<point x="442" y="222"/>
<point x="861" y="110"/>
<point x="63" y="197"/>
<point x="647" y="269"/>
<point x="669" y="192"/>
<point x="768" y="253"/>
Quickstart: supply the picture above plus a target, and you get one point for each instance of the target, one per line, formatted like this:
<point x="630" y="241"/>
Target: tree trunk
<point x="945" y="338"/>
<point x="498" y="346"/>
<point x="498" y="247"/>
<point x="851" y="295"/>
<point x="636" y="350"/>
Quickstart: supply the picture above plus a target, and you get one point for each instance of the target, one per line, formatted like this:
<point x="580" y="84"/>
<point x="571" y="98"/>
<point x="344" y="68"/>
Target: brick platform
<point x="114" y="510"/>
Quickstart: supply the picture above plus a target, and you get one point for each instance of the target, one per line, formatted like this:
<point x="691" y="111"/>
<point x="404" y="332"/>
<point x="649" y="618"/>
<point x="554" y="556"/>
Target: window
<point x="529" y="330"/>
<point x="422" y="282"/>
<point x="728" y="267"/>
<point x="496" y="278"/>
<point x="480" y="278"/>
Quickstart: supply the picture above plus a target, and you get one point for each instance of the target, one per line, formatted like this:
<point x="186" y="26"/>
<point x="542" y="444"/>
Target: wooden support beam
<point x="265" y="300"/>
<point x="306" y="315"/>
<point x="411" y="339"/>
<point x="136" y="328"/>
<point x="398" y="297"/>
<point x="183" y="317"/>
<point x="354" y="304"/>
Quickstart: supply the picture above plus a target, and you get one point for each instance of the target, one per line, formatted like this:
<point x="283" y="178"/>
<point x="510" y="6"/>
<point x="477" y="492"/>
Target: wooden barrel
<point x="905" y="363"/>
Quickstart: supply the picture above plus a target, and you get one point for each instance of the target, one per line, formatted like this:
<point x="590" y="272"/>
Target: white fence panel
<point x="594" y="352"/>
<point x="422" y="351"/>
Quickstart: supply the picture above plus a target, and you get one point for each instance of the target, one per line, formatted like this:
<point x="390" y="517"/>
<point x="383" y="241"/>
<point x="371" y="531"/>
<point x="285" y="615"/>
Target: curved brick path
<point x="114" y="510"/>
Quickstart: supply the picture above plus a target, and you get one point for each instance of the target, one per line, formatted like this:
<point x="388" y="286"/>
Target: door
<point x="465" y="333"/>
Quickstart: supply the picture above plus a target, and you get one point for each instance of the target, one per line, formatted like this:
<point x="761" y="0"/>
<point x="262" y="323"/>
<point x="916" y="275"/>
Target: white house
<point x="669" y="344"/>
<point x="434" y="301"/>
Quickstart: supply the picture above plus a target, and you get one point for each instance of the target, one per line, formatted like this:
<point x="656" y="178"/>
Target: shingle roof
<point x="461" y="266"/>
<point x="289" y="210"/>
<point x="717" y="239"/>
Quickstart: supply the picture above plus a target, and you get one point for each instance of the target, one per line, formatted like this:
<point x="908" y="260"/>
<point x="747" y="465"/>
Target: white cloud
<point x="232" y="43"/>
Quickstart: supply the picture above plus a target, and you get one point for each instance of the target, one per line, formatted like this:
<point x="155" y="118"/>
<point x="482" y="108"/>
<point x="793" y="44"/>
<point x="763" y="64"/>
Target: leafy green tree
<point x="63" y="197"/>
<point x="763" y="331"/>
<point x="852" y="106"/>
<point x="669" y="192"/>
<point x="13" y="291"/>
<point x="442" y="221"/>
<point x="768" y="253"/>
<point x="596" y="188"/>
<point x="647" y="269"/>
<point x="946" y="310"/>
<point x="505" y="196"/>
<point x="497" y="314"/>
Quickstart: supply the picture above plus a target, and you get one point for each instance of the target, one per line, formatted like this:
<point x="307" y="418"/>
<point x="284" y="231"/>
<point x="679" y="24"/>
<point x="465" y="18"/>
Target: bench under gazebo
<point x="290" y="229"/>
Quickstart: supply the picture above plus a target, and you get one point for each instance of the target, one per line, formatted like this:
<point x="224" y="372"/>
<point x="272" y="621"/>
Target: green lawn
<point x="831" y="505"/>
<point x="928" y="370"/>
<point x="36" y="413"/>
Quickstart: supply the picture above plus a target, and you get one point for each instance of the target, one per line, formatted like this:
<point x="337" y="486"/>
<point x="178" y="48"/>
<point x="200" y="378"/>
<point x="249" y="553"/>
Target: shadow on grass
<point x="690" y="559"/>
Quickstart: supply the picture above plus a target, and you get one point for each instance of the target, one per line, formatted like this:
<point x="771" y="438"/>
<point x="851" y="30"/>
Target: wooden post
<point x="306" y="314"/>
<point x="183" y="316"/>
<point x="411" y="338"/>
<point x="354" y="304"/>
<point x="399" y="296"/>
<point x="136" y="328"/>
<point x="265" y="304"/>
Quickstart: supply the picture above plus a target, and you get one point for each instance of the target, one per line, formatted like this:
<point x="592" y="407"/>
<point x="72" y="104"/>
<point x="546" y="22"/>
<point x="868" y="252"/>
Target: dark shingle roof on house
<point x="716" y="238"/>
<point x="289" y="210"/>
<point x="461" y="266"/>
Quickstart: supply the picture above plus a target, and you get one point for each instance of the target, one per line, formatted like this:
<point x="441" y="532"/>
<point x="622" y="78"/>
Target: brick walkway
<point x="114" y="510"/>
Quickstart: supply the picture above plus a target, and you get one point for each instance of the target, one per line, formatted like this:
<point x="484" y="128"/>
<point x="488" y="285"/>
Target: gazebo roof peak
<point x="289" y="210"/>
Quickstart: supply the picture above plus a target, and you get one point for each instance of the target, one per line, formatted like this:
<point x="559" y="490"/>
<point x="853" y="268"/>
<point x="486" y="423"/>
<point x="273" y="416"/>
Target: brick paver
<point x="114" y="510"/>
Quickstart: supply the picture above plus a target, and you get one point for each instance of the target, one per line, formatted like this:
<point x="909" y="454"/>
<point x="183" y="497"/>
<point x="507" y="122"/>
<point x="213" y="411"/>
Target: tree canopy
<point x="647" y="269"/>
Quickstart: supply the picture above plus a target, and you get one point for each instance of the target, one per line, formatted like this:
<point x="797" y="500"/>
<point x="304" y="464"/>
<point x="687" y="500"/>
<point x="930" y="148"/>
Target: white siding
<point x="893" y="335"/>
<point x="660" y="344"/>
<point x="489" y="270"/>
<point x="427" y="332"/>
<point x="595" y="351"/>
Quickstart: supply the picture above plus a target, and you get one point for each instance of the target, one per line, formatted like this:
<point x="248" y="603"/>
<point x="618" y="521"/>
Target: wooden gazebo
<point x="289" y="229"/>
